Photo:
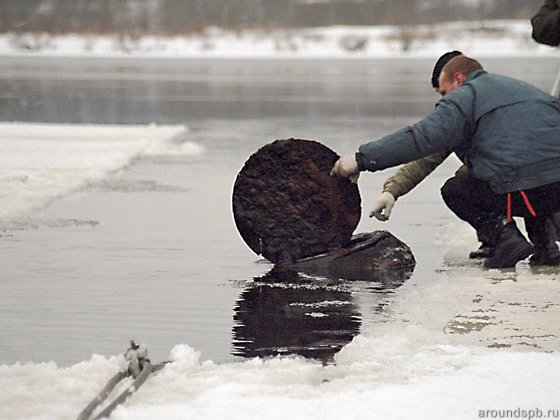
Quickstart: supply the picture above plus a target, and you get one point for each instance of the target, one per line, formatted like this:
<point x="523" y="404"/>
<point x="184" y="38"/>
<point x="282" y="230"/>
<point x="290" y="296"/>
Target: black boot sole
<point x="481" y="254"/>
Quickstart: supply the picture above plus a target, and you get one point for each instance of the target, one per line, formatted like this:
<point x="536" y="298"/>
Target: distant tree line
<point x="183" y="16"/>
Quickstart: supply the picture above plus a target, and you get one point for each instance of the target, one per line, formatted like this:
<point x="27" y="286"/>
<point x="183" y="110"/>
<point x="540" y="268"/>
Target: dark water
<point x="163" y="263"/>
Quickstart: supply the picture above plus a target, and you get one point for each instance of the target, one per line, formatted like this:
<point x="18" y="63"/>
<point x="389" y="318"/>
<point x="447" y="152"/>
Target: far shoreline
<point x="277" y="57"/>
<point x="492" y="38"/>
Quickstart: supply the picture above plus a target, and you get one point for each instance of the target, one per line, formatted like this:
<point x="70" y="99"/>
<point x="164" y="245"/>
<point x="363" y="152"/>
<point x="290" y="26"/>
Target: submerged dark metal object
<point x="290" y="210"/>
<point x="376" y="256"/>
<point x="287" y="206"/>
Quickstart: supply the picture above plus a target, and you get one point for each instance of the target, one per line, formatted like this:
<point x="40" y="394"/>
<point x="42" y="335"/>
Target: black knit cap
<point x="442" y="61"/>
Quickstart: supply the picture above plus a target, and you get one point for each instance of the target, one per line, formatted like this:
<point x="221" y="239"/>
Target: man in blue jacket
<point x="507" y="133"/>
<point x="413" y="173"/>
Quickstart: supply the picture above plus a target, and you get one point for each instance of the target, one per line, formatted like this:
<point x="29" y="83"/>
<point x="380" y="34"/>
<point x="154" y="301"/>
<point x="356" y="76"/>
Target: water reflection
<point x="285" y="312"/>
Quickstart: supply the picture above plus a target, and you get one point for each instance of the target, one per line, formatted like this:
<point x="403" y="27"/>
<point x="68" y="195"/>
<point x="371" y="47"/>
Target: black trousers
<point x="473" y="201"/>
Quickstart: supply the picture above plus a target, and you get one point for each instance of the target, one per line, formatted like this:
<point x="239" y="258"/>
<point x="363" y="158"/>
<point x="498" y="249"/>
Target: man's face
<point x="447" y="85"/>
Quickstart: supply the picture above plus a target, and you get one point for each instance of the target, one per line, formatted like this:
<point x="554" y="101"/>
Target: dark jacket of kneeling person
<point x="546" y="24"/>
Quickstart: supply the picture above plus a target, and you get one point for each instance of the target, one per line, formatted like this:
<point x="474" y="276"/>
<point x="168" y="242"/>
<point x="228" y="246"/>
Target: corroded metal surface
<point x="286" y="205"/>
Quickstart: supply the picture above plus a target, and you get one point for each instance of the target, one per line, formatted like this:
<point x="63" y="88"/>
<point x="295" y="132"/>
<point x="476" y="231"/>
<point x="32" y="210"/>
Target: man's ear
<point x="460" y="78"/>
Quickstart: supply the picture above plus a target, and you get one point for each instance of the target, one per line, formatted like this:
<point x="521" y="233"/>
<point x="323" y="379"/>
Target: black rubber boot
<point x="543" y="236"/>
<point x="511" y="247"/>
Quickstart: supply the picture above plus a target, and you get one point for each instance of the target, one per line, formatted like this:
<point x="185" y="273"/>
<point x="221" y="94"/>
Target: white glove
<point x="384" y="203"/>
<point x="346" y="167"/>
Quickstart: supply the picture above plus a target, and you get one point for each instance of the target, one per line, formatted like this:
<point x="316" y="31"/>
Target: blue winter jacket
<point x="506" y="131"/>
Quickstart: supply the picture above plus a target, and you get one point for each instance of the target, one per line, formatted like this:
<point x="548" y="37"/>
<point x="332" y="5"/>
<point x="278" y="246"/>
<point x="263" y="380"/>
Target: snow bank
<point x="388" y="377"/>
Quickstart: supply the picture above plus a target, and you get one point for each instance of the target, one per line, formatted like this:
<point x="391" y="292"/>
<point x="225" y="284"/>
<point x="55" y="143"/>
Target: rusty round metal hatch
<point x="286" y="205"/>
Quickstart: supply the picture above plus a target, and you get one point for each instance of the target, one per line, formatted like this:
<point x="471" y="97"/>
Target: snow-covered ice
<point x="479" y="38"/>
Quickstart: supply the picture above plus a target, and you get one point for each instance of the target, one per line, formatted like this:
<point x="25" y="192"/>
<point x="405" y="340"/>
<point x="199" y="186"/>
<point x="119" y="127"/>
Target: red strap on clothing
<point x="527" y="204"/>
<point x="529" y="207"/>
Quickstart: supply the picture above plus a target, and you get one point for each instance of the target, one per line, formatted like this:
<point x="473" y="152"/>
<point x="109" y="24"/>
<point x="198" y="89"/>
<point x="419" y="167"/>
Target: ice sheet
<point x="41" y="161"/>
